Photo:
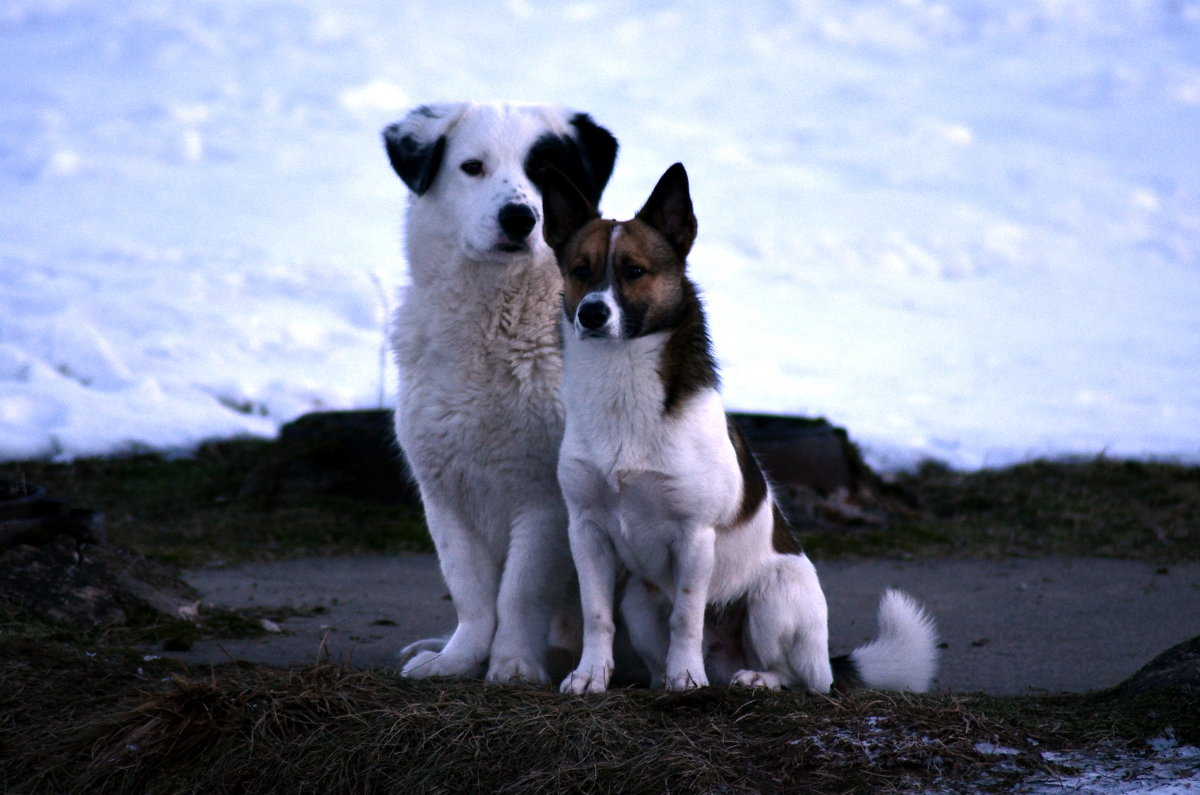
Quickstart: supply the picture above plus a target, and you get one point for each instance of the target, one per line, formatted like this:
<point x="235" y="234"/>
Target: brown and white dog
<point x="659" y="484"/>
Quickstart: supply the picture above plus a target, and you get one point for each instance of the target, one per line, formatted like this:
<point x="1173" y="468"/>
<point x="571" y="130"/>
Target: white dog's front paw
<point x="425" y="664"/>
<point x="416" y="647"/>
<point x="767" y="679"/>
<point x="688" y="678"/>
<point x="589" y="679"/>
<point x="517" y="669"/>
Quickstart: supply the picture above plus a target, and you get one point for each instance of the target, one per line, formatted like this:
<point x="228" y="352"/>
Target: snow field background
<point x="968" y="231"/>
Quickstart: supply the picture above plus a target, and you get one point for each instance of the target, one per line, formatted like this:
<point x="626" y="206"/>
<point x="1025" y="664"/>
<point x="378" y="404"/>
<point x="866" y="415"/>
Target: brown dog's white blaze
<point x="636" y="269"/>
<point x="641" y="261"/>
<point x="632" y="267"/>
<point x="583" y="263"/>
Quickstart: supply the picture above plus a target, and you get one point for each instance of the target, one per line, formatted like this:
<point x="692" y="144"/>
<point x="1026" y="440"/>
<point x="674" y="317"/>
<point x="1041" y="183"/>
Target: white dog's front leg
<point x="596" y="562"/>
<point x="535" y="580"/>
<point x="694" y="551"/>
<point x="473" y="578"/>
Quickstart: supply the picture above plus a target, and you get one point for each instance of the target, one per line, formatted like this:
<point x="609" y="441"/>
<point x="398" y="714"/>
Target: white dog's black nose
<point x="593" y="315"/>
<point x="517" y="221"/>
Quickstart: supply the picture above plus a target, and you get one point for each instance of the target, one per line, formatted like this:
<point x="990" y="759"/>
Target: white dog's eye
<point x="472" y="168"/>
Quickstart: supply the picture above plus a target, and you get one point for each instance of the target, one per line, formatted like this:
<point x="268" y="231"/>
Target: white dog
<point x="659" y="483"/>
<point x="477" y="342"/>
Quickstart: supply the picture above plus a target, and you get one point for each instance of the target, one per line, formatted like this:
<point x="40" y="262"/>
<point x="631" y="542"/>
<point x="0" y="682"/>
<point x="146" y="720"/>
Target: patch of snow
<point x="1167" y="768"/>
<point x="963" y="231"/>
<point x="991" y="749"/>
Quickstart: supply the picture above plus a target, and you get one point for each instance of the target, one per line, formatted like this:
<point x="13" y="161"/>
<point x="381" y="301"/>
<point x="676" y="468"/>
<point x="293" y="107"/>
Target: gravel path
<point x="1010" y="626"/>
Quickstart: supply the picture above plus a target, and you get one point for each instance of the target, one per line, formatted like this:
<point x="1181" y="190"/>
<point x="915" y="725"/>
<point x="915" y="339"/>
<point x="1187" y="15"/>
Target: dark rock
<point x="804" y="452"/>
<point x="27" y="516"/>
<point x="88" y="585"/>
<point x="351" y="453"/>
<point x="55" y="563"/>
<point x="1177" y="667"/>
<point x="818" y="473"/>
<point x="18" y="498"/>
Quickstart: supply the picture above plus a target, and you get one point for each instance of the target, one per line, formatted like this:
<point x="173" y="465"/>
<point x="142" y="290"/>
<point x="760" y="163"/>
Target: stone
<point x="349" y="453"/>
<point x="1177" y="667"/>
<point x="56" y="563"/>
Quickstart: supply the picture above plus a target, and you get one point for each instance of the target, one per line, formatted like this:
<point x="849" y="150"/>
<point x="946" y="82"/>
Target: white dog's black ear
<point x="585" y="154"/>
<point x="564" y="209"/>
<point x="416" y="143"/>
<point x="599" y="149"/>
<point x="669" y="210"/>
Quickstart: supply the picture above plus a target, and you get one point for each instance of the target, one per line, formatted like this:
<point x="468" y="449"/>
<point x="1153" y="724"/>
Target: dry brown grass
<point x="105" y="720"/>
<point x="1089" y="507"/>
<point x="329" y="729"/>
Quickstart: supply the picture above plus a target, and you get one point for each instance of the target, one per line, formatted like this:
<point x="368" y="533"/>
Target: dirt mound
<point x="1177" y="667"/>
<point x="58" y="565"/>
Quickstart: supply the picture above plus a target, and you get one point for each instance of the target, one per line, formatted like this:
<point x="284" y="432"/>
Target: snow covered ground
<point x="966" y="230"/>
<point x="1163" y="767"/>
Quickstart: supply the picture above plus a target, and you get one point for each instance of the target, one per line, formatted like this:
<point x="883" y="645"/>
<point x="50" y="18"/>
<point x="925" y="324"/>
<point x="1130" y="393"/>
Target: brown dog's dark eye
<point x="580" y="273"/>
<point x="472" y="168"/>
<point x="632" y="273"/>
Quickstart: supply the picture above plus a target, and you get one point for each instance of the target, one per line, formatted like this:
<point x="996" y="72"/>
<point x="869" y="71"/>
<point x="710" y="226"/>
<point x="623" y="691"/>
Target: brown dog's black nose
<point x="593" y="315"/>
<point x="517" y="221"/>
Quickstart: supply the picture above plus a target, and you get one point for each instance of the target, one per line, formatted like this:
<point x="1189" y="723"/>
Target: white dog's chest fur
<point x="480" y="375"/>
<point x="652" y="478"/>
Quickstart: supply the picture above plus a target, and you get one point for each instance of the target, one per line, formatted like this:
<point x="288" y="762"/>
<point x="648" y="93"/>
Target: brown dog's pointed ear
<point x="669" y="210"/>
<point x="564" y="209"/>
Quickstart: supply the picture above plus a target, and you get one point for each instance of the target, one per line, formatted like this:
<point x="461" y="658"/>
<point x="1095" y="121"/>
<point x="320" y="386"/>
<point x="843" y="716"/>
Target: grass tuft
<point x="1096" y="507"/>
<point x="329" y="729"/>
<point x="209" y="507"/>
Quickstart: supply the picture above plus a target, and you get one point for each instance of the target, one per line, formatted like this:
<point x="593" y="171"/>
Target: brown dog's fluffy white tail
<point x="902" y="657"/>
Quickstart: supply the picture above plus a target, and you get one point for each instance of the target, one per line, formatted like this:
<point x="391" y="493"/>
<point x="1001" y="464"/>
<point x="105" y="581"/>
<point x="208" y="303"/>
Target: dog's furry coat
<point x="477" y="343"/>
<point x="659" y="484"/>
